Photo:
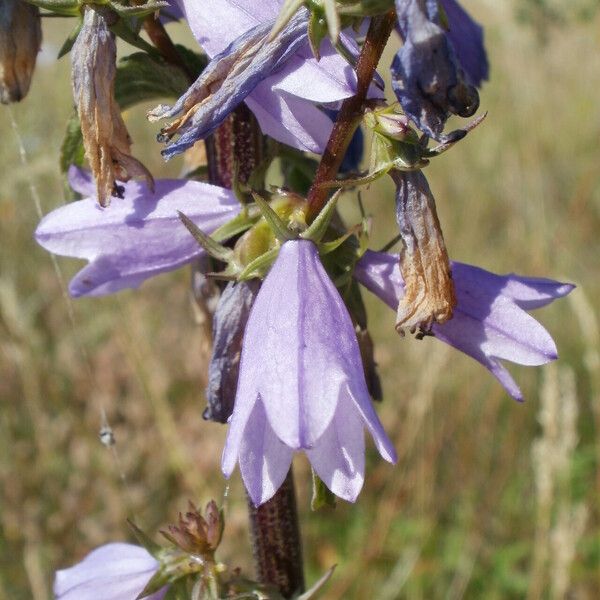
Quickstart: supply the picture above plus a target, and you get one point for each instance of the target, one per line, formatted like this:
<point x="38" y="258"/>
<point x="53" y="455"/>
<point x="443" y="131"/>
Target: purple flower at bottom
<point x="490" y="321"/>
<point x="112" y="572"/>
<point x="137" y="236"/>
<point x="301" y="384"/>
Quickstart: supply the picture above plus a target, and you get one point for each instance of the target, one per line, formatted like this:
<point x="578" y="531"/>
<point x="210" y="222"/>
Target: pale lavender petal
<point x="264" y="459"/>
<point x="290" y="120"/>
<point x="112" y="572"/>
<point x="338" y="458"/>
<point x="217" y="23"/>
<point x="527" y="292"/>
<point x="489" y="321"/>
<point x="81" y="181"/>
<point x="135" y="237"/>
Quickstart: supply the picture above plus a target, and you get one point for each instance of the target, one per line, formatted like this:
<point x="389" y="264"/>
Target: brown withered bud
<point x="105" y="138"/>
<point x="20" y="41"/>
<point x="198" y="534"/>
<point x="428" y="288"/>
<point x="229" y="323"/>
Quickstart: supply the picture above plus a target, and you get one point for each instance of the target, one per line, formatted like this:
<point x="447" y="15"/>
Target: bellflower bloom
<point x="282" y="102"/>
<point x="112" y="572"/>
<point x="490" y="321"/>
<point x="435" y="72"/>
<point x="301" y="384"/>
<point x="136" y="237"/>
<point x="20" y="40"/>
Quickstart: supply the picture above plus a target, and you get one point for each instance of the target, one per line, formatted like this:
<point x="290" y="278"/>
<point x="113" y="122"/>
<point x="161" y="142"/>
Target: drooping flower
<point x="490" y="321"/>
<point x="105" y="137"/>
<point x="435" y="72"/>
<point x="301" y="384"/>
<point x="283" y="104"/>
<point x="112" y="572"/>
<point x="20" y="40"/>
<point x="136" y="237"/>
<point x="428" y="289"/>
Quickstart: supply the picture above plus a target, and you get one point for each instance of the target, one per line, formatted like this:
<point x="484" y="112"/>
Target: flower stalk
<point x="352" y="109"/>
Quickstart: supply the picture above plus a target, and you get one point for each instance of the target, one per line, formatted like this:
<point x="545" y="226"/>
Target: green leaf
<point x="123" y="29"/>
<point x="140" y="10"/>
<point x="71" y="152"/>
<point x="65" y="8"/>
<point x="150" y="545"/>
<point x="142" y="77"/>
<point x="259" y="266"/>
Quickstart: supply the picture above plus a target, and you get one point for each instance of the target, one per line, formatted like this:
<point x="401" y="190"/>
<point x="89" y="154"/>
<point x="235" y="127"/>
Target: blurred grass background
<point x="490" y="499"/>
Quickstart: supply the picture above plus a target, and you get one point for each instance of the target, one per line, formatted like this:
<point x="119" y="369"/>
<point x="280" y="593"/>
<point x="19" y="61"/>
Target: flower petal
<point x="116" y="571"/>
<point x="290" y="120"/>
<point x="136" y="237"/>
<point x="466" y="36"/>
<point x="489" y="321"/>
<point x="264" y="459"/>
<point x="339" y="455"/>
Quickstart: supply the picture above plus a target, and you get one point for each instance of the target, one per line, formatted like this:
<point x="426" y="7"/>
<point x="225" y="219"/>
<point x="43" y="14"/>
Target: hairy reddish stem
<point x="352" y="110"/>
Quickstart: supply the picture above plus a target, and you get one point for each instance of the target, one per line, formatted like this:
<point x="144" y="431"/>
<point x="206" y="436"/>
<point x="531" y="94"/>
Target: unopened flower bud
<point x="428" y="288"/>
<point x="229" y="323"/>
<point x="20" y="40"/>
<point x="392" y="123"/>
<point x="105" y="138"/>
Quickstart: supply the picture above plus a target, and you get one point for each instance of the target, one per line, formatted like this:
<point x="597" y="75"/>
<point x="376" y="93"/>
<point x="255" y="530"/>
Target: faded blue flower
<point x="301" y="384"/>
<point x="435" y="72"/>
<point x="490" y="321"/>
<point x="112" y="572"/>
<point x="136" y="237"/>
<point x="284" y="105"/>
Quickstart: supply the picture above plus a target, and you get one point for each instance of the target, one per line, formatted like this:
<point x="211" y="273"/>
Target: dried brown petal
<point x="20" y="40"/>
<point x="428" y="288"/>
<point x="105" y="138"/>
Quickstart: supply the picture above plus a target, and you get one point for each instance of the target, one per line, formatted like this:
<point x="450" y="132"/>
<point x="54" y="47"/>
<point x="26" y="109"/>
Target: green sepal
<point x="139" y="10"/>
<point x="259" y="267"/>
<point x="317" y="31"/>
<point x="333" y="20"/>
<point x="279" y="228"/>
<point x="68" y="43"/>
<point x="212" y="247"/>
<point x="65" y="8"/>
<point x="149" y="544"/>
<point x="316" y="587"/>
<point x="237" y="225"/>
<point x="322" y="496"/>
<point x="318" y="227"/>
<point x="288" y="10"/>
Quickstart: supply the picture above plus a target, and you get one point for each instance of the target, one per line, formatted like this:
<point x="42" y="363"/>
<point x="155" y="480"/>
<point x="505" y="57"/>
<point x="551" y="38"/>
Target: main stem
<point x="352" y="110"/>
<point x="274" y="527"/>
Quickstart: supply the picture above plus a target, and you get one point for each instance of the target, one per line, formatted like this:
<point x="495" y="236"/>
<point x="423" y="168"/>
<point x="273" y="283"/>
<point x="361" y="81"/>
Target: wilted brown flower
<point x="20" y="40"/>
<point x="197" y="534"/>
<point x="105" y="138"/>
<point x="428" y="288"/>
